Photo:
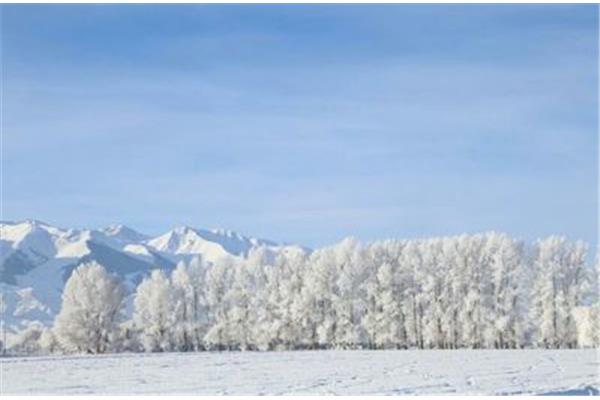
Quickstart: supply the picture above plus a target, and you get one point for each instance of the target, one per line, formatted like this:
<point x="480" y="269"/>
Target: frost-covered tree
<point x="218" y="281"/>
<point x="321" y="281"/>
<point x="505" y="302"/>
<point x="239" y="312"/>
<point x="285" y="297"/>
<point x="190" y="307"/>
<point x="470" y="291"/>
<point x="300" y="324"/>
<point x="410" y="263"/>
<point x="588" y="325"/>
<point x="154" y="312"/>
<point x="264" y="314"/>
<point x="92" y="306"/>
<point x="48" y="342"/>
<point x="389" y="317"/>
<point x="348" y="305"/>
<point x="129" y="340"/>
<point x="559" y="288"/>
<point x="27" y="341"/>
<point x="373" y="311"/>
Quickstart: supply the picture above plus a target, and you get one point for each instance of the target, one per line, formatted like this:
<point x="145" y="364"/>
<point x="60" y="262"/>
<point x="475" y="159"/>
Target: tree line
<point x="482" y="291"/>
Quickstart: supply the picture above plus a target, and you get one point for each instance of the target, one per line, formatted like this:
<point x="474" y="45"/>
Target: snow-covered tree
<point x="470" y="291"/>
<point x="588" y="325"/>
<point x="389" y="317"/>
<point x="92" y="306"/>
<point x="504" y="325"/>
<point x="238" y="313"/>
<point x="155" y="316"/>
<point x="218" y="280"/>
<point x="47" y="341"/>
<point x="188" y="285"/>
<point x="27" y="341"/>
<point x="321" y="282"/>
<point x="559" y="288"/>
<point x="348" y="305"/>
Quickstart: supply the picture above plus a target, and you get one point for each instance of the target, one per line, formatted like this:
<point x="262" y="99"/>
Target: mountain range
<point x="37" y="258"/>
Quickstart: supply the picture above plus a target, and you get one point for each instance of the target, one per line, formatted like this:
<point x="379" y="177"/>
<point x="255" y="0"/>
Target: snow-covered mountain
<point x="210" y="244"/>
<point x="36" y="258"/>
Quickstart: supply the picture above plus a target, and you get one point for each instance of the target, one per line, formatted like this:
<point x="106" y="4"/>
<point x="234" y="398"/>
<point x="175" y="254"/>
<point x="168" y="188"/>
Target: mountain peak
<point x="212" y="244"/>
<point x="183" y="241"/>
<point x="123" y="233"/>
<point x="183" y="230"/>
<point x="33" y="223"/>
<point x="225" y="232"/>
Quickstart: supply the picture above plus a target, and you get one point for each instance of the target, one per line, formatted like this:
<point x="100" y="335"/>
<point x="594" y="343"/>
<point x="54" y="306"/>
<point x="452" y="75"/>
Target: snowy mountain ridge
<point x="37" y="258"/>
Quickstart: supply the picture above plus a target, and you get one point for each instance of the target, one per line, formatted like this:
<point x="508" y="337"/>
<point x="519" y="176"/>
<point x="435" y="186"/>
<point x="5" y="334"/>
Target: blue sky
<point x="303" y="123"/>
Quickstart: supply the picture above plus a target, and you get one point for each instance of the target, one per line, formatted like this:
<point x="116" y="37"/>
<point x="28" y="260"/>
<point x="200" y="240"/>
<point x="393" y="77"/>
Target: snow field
<point x="309" y="372"/>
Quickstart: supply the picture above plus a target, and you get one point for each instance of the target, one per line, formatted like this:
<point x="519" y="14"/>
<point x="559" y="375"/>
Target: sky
<point x="303" y="123"/>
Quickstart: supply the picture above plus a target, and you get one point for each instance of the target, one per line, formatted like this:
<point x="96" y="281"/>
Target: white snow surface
<point x="400" y="372"/>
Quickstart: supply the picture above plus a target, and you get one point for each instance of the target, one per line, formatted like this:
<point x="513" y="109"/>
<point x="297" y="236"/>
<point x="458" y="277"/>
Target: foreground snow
<point x="310" y="372"/>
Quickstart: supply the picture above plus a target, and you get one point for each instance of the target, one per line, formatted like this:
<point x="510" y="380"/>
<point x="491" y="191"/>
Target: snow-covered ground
<point x="310" y="372"/>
